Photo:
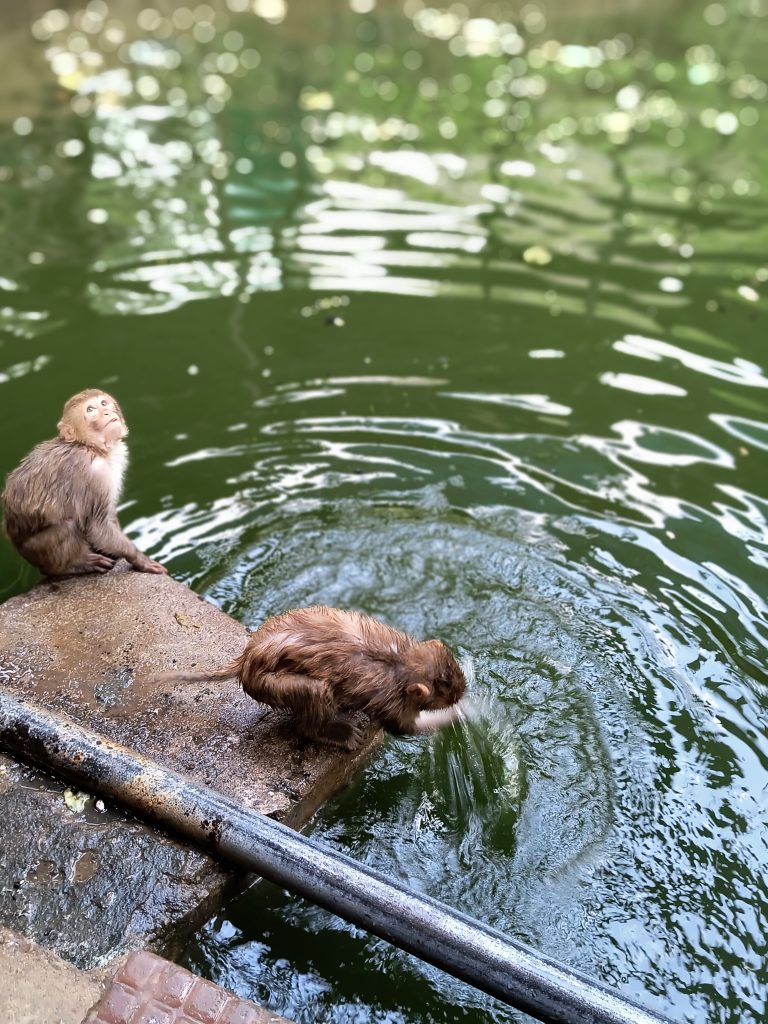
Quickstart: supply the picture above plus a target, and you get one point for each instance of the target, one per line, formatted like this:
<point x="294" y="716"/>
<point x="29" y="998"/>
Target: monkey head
<point x="441" y="682"/>
<point x="92" y="418"/>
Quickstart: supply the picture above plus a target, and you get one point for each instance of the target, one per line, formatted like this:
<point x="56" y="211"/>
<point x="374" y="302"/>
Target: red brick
<point x="150" y="990"/>
<point x="156" y="1013"/>
<point x="239" y="1012"/>
<point x="173" y="985"/>
<point x="139" y="969"/>
<point x="118" y="1006"/>
<point x="205" y="1002"/>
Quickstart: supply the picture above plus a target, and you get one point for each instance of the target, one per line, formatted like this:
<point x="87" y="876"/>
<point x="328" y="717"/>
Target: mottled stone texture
<point x="91" y="884"/>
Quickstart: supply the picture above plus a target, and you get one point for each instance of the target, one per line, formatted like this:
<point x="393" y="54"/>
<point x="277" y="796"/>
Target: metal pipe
<point x="432" y="931"/>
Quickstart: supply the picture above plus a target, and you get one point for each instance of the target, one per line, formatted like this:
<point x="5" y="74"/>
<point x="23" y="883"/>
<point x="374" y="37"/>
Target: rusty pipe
<point x="482" y="956"/>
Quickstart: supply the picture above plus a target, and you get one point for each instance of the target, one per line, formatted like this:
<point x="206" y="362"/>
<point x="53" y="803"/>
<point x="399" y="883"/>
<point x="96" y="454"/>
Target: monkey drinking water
<point x="323" y="664"/>
<point x="60" y="503"/>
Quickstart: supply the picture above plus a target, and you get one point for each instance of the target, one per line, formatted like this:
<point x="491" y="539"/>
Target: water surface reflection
<point x="453" y="315"/>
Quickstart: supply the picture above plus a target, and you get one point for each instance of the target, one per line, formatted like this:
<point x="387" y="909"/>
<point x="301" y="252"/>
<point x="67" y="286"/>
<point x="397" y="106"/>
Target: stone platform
<point x="85" y="880"/>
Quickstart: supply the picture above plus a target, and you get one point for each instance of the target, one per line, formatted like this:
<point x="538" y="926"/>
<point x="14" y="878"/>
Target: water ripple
<point x="738" y="371"/>
<point x="456" y="319"/>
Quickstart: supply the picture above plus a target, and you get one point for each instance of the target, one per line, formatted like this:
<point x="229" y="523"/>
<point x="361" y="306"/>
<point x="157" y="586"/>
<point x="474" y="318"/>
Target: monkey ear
<point x="66" y="430"/>
<point x="418" y="692"/>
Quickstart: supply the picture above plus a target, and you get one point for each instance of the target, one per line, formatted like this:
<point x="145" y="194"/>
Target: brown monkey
<point x="322" y="664"/>
<point x="61" y="502"/>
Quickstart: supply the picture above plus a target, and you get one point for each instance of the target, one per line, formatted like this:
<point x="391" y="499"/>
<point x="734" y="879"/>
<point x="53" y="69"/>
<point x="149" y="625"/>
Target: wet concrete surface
<point x="93" y="884"/>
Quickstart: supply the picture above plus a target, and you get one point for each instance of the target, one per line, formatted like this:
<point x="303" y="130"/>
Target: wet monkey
<point x="324" y="664"/>
<point x="60" y="503"/>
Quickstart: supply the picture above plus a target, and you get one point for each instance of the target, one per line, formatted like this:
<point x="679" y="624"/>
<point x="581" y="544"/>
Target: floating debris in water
<point x="537" y="255"/>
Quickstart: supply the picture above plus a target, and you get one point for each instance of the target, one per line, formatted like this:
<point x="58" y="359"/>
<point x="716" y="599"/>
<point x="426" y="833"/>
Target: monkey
<point x="60" y="503"/>
<point x="324" y="664"/>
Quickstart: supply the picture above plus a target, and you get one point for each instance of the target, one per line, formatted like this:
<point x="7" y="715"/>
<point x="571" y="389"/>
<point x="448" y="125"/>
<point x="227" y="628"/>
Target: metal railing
<point x="467" y="949"/>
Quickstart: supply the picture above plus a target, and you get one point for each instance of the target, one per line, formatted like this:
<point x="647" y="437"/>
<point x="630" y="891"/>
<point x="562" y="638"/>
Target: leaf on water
<point x="537" y="255"/>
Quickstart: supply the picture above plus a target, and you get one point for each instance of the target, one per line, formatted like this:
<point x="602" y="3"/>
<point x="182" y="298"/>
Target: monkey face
<point x="102" y="415"/>
<point x="96" y="420"/>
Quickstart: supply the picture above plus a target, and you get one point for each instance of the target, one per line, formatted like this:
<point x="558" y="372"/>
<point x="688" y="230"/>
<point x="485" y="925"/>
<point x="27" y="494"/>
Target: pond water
<point x="457" y="316"/>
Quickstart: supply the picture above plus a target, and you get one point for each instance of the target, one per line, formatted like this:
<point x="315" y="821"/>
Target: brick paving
<point x="150" y="990"/>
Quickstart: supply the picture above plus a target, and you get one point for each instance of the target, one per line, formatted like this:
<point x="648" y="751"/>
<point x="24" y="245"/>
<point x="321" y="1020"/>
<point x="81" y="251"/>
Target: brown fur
<point x="60" y="503"/>
<point x="323" y="664"/>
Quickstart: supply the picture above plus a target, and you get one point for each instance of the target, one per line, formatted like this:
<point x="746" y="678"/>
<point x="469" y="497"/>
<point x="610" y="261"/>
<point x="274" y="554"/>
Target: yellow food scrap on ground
<point x="75" y="801"/>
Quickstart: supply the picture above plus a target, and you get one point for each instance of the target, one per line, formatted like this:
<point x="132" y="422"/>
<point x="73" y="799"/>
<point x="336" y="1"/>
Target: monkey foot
<point x="347" y="733"/>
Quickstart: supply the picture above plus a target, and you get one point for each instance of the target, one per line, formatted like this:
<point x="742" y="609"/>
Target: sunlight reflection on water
<point x="455" y="316"/>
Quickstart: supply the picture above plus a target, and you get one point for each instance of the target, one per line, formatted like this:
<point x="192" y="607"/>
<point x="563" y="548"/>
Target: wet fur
<point x="60" y="503"/>
<point x="60" y="507"/>
<point x="324" y="664"/>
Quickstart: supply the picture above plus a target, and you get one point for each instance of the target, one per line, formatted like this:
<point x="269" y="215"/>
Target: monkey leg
<point x="344" y="731"/>
<point x="91" y="561"/>
<point x="311" y="703"/>
<point x="61" y="550"/>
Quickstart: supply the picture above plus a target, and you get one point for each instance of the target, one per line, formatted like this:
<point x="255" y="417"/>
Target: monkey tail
<point x="215" y="675"/>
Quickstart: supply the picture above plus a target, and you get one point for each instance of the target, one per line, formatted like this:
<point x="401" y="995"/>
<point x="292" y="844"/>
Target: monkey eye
<point x="91" y="408"/>
<point x="104" y="401"/>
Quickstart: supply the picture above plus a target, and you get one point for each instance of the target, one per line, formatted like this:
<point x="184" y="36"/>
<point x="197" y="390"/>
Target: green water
<point x="456" y="316"/>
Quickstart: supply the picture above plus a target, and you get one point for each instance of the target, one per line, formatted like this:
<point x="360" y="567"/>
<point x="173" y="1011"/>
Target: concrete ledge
<point x="90" y="883"/>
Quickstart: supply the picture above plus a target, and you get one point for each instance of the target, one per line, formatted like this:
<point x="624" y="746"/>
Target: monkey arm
<point x="310" y="701"/>
<point x="105" y="535"/>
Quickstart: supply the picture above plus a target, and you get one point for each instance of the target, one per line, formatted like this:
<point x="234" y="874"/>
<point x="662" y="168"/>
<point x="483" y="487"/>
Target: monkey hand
<point x="94" y="561"/>
<point x="143" y="564"/>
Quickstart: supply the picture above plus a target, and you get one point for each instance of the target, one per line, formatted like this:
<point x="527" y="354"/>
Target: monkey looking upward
<point x="60" y="503"/>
